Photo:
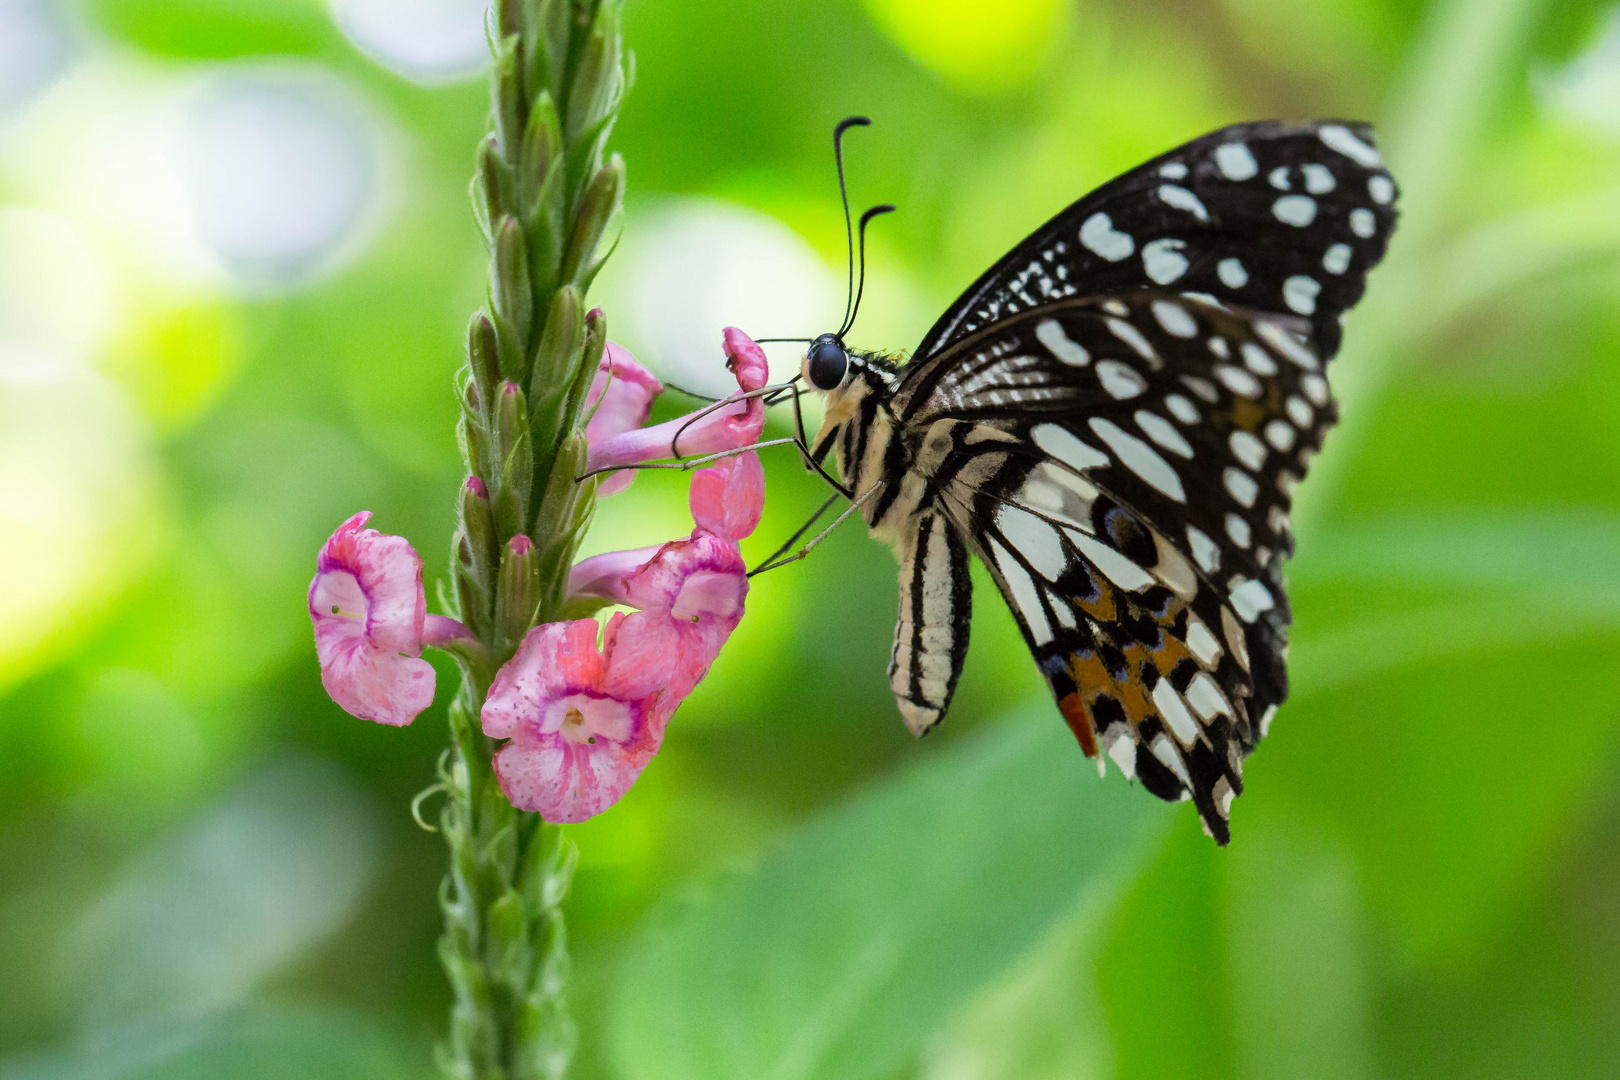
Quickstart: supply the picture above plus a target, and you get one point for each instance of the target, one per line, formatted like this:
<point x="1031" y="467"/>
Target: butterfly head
<point x="826" y="363"/>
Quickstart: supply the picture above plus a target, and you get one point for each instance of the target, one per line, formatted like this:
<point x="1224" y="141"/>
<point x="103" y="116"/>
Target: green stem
<point x="549" y="201"/>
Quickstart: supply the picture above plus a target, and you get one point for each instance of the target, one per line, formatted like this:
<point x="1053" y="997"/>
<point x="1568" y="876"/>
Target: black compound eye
<point x="828" y="363"/>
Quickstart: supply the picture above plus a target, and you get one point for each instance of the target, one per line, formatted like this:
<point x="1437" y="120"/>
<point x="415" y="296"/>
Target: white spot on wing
<point x="1173" y="170"/>
<point x="1205" y="550"/>
<point x="1286" y="343"/>
<point x="1034" y="539"/>
<point x="1237" y="380"/>
<point x="1202" y="643"/>
<point x="1111" y="564"/>
<point x="1123" y="751"/>
<point x="1238" y="530"/>
<point x="1232" y="274"/>
<point x="1280" y="434"/>
<point x="1120" y="380"/>
<point x="1140" y="458"/>
<point x="1240" y="485"/>
<point x="1098" y="234"/>
<point x="1174" y="711"/>
<point x="1278" y="178"/>
<point x="1163" y="260"/>
<point x="1131" y="336"/>
<point x="1062" y="444"/>
<point x="1202" y="387"/>
<point x="1336" y="260"/>
<point x="1025" y="595"/>
<point x="1163" y="432"/>
<point x="1258" y="360"/>
<point x="1206" y="697"/>
<point x="1296" y="210"/>
<point x="1181" y="408"/>
<point x="1299" y="293"/>
<point x="1342" y="139"/>
<point x="1235" y="161"/>
<point x="1318" y="178"/>
<point x="1382" y="190"/>
<point x="1250" y="599"/>
<point x="1315" y="387"/>
<point x="1182" y="199"/>
<point x="1363" y="223"/>
<point x="1049" y="332"/>
<point x="1247" y="449"/>
<point x="1175" y="319"/>
<point x="1165" y="752"/>
<point x="1299" y="412"/>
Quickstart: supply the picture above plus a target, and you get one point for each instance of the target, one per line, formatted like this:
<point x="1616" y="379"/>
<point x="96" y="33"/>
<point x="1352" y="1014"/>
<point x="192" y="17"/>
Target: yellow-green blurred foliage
<point x="236" y="257"/>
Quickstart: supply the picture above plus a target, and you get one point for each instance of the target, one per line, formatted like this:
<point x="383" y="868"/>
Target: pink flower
<point x="621" y="403"/>
<point x="371" y="621"/>
<point x="726" y="428"/>
<point x="583" y="723"/>
<point x="728" y="497"/>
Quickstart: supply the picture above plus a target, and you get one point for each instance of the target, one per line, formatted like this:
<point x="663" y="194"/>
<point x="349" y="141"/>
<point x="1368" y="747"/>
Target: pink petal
<point x="604" y="575"/>
<point x="691" y="598"/>
<point x="553" y="659"/>
<point x="368" y="610"/>
<point x="728" y="497"/>
<point x="576" y="743"/>
<point x="625" y="400"/>
<point x="726" y="428"/>
<point x="745" y="359"/>
<point x="389" y="573"/>
<point x="375" y="684"/>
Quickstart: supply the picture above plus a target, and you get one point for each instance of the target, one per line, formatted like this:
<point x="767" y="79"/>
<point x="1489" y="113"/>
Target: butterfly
<point x="1113" y="418"/>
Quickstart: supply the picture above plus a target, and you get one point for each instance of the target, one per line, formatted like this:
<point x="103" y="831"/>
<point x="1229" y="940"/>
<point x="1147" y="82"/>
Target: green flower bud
<point x="483" y="355"/>
<point x="509" y="283"/>
<point x="517" y="469"/>
<point x="517" y="594"/>
<point x="596" y="226"/>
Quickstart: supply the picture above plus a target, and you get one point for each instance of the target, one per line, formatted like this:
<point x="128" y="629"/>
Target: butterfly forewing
<point x="1275" y="216"/>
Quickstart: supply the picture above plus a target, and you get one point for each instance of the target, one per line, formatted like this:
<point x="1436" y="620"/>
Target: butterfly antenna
<point x="860" y="286"/>
<point x="843" y="193"/>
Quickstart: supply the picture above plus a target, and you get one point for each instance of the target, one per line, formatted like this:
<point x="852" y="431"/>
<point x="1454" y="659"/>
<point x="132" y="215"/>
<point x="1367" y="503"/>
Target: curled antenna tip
<point x="850" y="121"/>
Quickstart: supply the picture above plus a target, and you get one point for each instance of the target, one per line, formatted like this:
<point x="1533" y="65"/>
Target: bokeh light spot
<point x="972" y="45"/>
<point x="426" y="41"/>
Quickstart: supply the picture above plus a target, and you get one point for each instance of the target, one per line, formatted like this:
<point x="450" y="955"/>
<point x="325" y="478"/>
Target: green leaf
<point x="875" y="923"/>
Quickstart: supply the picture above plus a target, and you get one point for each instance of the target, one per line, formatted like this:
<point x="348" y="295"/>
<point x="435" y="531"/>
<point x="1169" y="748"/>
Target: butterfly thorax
<point x="876" y="455"/>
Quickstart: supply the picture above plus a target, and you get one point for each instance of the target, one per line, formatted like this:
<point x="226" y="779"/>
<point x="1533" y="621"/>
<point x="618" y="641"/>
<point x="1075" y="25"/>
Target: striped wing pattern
<point x="1125" y="468"/>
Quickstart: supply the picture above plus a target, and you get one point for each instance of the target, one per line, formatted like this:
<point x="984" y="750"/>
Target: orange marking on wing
<point x="1074" y="714"/>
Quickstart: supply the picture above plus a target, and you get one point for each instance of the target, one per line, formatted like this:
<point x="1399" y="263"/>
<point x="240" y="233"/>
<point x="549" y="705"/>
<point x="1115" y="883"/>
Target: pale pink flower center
<point x="339" y="594"/>
<point x="709" y="592"/>
<point x="582" y="718"/>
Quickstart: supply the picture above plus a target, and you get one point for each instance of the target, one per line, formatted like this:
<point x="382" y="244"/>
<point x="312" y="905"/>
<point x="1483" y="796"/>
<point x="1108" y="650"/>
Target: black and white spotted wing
<point x="1114" y="419"/>
<point x="1125" y="467"/>
<point x="1275" y="216"/>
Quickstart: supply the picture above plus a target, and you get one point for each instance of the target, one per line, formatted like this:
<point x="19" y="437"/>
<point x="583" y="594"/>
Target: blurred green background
<point x="236" y="258"/>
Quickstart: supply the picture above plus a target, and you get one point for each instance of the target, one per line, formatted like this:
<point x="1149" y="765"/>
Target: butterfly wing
<point x="1125" y="467"/>
<point x="1274" y="216"/>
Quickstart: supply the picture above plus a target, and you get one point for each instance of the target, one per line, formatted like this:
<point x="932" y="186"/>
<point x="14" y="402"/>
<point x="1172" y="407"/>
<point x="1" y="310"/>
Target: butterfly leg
<point x="801" y="531"/>
<point x="772" y="564"/>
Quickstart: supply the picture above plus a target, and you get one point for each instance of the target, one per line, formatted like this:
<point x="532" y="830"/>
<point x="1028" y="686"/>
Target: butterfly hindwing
<point x="1125" y="466"/>
<point x="1275" y="216"/>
